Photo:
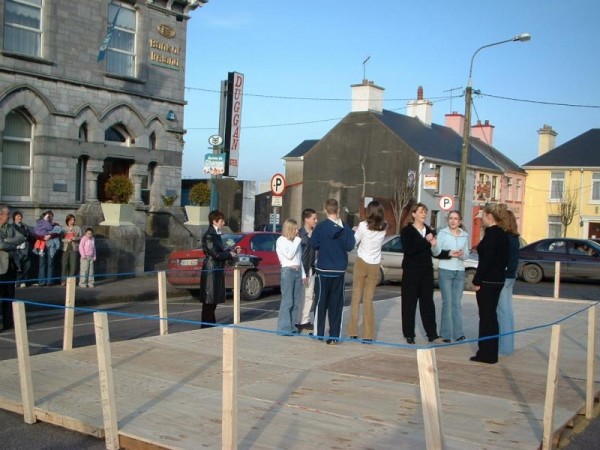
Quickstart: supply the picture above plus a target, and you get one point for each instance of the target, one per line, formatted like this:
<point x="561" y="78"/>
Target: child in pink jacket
<point x="87" y="251"/>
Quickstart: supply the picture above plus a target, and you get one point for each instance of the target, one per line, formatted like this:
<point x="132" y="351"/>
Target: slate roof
<point x="302" y="148"/>
<point x="496" y="156"/>
<point x="581" y="151"/>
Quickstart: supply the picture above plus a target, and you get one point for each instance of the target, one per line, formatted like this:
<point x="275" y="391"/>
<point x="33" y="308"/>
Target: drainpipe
<point x="420" y="183"/>
<point x="580" y="201"/>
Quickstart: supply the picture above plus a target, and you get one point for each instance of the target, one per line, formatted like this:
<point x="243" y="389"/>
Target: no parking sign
<point x="446" y="202"/>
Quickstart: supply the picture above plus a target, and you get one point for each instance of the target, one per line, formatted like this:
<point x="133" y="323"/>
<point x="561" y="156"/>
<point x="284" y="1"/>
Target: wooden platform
<point x="298" y="393"/>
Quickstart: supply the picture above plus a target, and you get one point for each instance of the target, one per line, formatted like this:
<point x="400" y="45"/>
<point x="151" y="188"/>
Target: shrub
<point x="119" y="189"/>
<point x="200" y="194"/>
<point x="168" y="200"/>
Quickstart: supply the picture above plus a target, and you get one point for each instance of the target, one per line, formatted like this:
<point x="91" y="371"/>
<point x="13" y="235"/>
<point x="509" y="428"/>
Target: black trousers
<point x="417" y="287"/>
<point x="487" y="302"/>
<point x="208" y="314"/>
<point x="329" y="294"/>
<point x="7" y="291"/>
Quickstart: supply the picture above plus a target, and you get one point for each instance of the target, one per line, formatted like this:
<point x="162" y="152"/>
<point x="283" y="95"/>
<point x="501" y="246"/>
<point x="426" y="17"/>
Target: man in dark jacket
<point x="309" y="257"/>
<point x="333" y="239"/>
<point x="212" y="278"/>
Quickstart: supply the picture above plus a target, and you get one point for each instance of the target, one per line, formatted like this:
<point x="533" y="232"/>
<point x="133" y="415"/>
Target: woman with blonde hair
<point x="506" y="319"/>
<point x="489" y="281"/>
<point x="289" y="252"/>
<point x="369" y="236"/>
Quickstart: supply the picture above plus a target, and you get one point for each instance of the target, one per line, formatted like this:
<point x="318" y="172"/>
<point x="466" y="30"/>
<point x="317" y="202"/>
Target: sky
<point x="299" y="59"/>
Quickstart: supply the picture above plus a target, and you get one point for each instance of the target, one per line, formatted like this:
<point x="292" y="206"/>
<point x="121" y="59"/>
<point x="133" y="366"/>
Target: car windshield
<point x="229" y="240"/>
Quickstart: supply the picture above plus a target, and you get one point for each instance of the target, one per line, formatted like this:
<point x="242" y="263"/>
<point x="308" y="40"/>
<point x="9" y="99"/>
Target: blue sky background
<point x="314" y="49"/>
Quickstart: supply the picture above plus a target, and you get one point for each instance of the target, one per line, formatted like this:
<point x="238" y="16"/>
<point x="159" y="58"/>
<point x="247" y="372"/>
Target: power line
<point x="539" y="102"/>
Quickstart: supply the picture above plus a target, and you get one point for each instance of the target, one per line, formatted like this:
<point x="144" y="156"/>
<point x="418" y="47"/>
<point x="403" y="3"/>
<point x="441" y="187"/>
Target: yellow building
<point x="562" y="197"/>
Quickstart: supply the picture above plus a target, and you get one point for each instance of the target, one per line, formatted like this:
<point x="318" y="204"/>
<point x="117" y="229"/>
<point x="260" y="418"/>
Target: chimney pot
<point x="420" y="93"/>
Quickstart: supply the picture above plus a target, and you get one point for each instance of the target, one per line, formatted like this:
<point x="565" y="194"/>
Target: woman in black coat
<point x="212" y="279"/>
<point x="489" y="281"/>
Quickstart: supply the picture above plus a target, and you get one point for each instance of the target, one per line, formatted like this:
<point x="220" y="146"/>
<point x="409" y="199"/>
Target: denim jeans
<point x="291" y="299"/>
<point x="452" y="284"/>
<point x="506" y="319"/>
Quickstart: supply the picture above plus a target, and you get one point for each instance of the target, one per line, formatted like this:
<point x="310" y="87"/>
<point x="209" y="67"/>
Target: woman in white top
<point x="452" y="249"/>
<point x="289" y="252"/>
<point x="369" y="236"/>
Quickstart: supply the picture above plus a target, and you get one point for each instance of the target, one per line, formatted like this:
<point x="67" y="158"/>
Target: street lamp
<point x="523" y="37"/>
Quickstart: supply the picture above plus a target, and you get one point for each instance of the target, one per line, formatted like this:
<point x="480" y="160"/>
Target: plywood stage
<point x="298" y="393"/>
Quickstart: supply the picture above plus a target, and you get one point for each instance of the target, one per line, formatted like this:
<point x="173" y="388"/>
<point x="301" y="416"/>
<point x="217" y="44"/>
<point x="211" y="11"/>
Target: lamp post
<point x="462" y="182"/>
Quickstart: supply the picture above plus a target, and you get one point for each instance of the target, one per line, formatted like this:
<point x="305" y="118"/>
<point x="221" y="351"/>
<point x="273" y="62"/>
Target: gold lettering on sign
<point x="168" y="60"/>
<point x="166" y="31"/>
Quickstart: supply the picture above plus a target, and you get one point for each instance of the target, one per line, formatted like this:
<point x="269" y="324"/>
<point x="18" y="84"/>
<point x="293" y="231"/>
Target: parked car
<point x="184" y="266"/>
<point x="391" y="262"/>
<point x="580" y="258"/>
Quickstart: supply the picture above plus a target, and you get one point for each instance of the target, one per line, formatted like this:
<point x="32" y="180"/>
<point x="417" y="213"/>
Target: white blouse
<point x="290" y="252"/>
<point x="370" y="242"/>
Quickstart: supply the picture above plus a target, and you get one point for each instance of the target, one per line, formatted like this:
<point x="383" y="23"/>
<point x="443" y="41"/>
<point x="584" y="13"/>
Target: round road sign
<point x="446" y="202"/>
<point x="215" y="140"/>
<point x="277" y="184"/>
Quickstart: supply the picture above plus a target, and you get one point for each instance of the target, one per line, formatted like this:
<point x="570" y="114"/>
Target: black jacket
<point x="212" y="279"/>
<point x="309" y="254"/>
<point x="493" y="256"/>
<point x="417" y="250"/>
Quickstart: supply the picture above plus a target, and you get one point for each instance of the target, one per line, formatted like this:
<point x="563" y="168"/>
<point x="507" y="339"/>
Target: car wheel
<point x="469" y="275"/>
<point x="532" y="273"/>
<point x="252" y="286"/>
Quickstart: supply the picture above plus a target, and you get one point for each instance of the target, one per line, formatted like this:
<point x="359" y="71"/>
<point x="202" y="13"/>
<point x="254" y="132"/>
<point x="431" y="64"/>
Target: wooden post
<point x="69" y="313"/>
<point x="430" y="399"/>
<point x="556" y="279"/>
<point x="229" y="428"/>
<point x="236" y="295"/>
<point x="24" y="362"/>
<point x="591" y="363"/>
<point x="551" y="386"/>
<point x="162" y="303"/>
<point x="107" y="386"/>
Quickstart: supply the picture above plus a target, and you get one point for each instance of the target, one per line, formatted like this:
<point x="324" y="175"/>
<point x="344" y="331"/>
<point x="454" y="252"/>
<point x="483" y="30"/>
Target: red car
<point x="184" y="266"/>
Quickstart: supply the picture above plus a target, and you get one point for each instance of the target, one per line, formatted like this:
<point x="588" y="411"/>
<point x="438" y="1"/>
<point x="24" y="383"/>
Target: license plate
<point x="188" y="262"/>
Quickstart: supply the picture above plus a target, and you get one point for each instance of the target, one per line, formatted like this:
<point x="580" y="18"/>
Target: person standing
<point x="417" y="275"/>
<point x="9" y="241"/>
<point x="45" y="231"/>
<point x="212" y="278"/>
<point x="506" y="319"/>
<point x="21" y="255"/>
<point x="332" y="239"/>
<point x="309" y="220"/>
<point x="489" y="281"/>
<point x="452" y="249"/>
<point x="71" y="235"/>
<point x="87" y="251"/>
<point x="289" y="252"/>
<point x="369" y="237"/>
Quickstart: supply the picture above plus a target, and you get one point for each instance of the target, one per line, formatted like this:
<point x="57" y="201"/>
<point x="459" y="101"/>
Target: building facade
<point x="89" y="90"/>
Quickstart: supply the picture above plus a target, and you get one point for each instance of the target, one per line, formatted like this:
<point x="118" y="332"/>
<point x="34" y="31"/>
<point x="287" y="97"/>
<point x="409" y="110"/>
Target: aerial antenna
<point x="452" y="90"/>
<point x="365" y="67"/>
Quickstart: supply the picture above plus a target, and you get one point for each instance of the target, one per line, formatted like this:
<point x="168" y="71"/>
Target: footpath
<point x="113" y="289"/>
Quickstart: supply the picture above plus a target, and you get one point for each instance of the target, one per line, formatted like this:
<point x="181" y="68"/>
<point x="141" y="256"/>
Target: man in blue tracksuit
<point x="333" y="239"/>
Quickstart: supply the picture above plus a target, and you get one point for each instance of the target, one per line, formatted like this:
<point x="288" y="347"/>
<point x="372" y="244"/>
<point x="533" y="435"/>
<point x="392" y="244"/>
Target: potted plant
<point x="198" y="209"/>
<point x="118" y="211"/>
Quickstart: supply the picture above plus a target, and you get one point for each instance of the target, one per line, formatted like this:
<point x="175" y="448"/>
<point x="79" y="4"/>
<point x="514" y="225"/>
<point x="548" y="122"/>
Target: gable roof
<point x="302" y="148"/>
<point x="496" y="156"/>
<point x="435" y="141"/>
<point x="581" y="151"/>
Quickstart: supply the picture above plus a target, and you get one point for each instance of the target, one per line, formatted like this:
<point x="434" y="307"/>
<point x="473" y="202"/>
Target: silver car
<point x="391" y="262"/>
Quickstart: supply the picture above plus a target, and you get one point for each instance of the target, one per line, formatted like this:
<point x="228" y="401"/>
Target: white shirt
<point x="290" y="252"/>
<point x="370" y="242"/>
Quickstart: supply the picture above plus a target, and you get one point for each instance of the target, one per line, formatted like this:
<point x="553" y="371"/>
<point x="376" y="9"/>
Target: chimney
<point x="483" y="131"/>
<point x="547" y="139"/>
<point x="420" y="108"/>
<point x="456" y="122"/>
<point x="367" y="97"/>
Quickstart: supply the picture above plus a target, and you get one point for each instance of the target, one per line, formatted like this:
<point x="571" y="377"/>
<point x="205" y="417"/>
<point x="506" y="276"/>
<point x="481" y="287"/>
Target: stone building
<point x="77" y="107"/>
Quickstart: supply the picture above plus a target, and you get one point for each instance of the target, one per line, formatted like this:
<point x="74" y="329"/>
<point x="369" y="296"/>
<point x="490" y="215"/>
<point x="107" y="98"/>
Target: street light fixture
<point x="523" y="37"/>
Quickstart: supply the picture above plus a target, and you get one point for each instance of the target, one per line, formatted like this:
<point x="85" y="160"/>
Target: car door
<point x="550" y="251"/>
<point x="263" y="246"/>
<point x="392" y="254"/>
<point x="583" y="261"/>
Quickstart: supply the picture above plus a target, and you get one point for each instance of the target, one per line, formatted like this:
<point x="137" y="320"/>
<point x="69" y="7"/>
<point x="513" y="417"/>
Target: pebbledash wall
<point x="70" y="119"/>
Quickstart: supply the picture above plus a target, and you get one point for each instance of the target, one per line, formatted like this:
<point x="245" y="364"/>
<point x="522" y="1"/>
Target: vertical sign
<point x="233" y="122"/>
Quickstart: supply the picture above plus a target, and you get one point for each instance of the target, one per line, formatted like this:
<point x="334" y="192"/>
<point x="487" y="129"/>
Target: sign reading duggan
<point x="233" y="122"/>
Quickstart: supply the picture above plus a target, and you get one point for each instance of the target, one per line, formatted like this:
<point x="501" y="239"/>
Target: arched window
<point x="117" y="134"/>
<point x="83" y="132"/>
<point x="16" y="157"/>
<point x="153" y="141"/>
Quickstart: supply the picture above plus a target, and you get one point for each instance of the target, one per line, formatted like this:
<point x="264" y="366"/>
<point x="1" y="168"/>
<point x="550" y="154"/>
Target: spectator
<point x="212" y="278"/>
<point x="71" y="235"/>
<point x="332" y="239"/>
<point x="309" y="219"/>
<point x="369" y="237"/>
<point x="9" y="241"/>
<point x="87" y="251"/>
<point x="21" y="255"/>
<point x="289" y="252"/>
<point x="46" y="234"/>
